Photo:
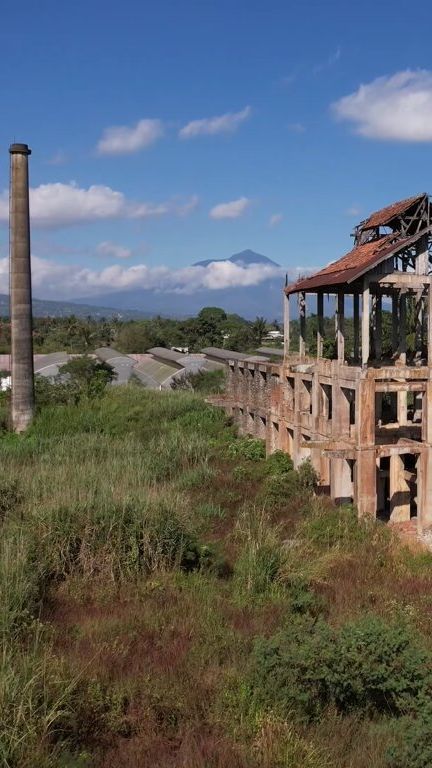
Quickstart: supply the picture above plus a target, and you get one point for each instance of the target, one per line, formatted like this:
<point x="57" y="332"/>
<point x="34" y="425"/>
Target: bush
<point x="279" y="463"/>
<point x="247" y="448"/>
<point x="413" y="742"/>
<point x="330" y="527"/>
<point x="205" y="382"/>
<point x="367" y="666"/>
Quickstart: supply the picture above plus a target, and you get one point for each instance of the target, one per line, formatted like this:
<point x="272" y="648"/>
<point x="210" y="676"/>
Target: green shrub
<point x="247" y="448"/>
<point x="278" y="463"/>
<point x="413" y="741"/>
<point x="307" y="476"/>
<point x="367" y="666"/>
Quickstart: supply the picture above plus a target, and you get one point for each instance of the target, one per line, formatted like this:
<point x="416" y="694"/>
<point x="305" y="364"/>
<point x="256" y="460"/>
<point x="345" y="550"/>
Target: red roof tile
<point x="383" y="216"/>
<point x="353" y="264"/>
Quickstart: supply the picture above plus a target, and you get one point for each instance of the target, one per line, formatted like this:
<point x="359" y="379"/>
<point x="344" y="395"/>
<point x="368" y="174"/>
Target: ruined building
<point x="365" y="418"/>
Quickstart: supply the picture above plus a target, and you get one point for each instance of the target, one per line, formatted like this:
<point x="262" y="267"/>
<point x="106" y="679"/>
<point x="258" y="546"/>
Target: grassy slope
<point x="139" y="562"/>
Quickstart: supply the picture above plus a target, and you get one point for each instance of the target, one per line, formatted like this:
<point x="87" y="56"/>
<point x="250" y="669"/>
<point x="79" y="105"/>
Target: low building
<point x="363" y="419"/>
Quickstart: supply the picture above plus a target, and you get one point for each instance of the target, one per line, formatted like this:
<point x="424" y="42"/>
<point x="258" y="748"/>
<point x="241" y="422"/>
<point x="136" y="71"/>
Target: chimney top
<point x="19" y="149"/>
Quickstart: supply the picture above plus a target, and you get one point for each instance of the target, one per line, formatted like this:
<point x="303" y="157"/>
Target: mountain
<point x="249" y="301"/>
<point x="244" y="257"/>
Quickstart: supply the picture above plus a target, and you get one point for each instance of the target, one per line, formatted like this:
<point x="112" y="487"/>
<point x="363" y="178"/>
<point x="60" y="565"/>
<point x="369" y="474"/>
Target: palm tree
<point x="259" y="329"/>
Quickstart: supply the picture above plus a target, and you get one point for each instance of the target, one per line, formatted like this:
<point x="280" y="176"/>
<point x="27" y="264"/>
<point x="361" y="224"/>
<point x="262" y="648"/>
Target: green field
<point x="169" y="597"/>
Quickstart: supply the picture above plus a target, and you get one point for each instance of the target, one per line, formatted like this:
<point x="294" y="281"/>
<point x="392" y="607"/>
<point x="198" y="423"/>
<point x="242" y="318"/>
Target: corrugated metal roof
<point x="153" y="369"/>
<point x="385" y="215"/>
<point x="108" y="353"/>
<point x="167" y="354"/>
<point x="355" y="263"/>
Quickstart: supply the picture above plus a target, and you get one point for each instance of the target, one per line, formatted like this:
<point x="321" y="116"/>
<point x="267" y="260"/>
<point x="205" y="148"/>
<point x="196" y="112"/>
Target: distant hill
<point x="45" y="308"/>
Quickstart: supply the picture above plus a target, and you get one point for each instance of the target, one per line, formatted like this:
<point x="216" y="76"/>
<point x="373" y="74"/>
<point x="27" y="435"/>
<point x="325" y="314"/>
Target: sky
<point x="171" y="132"/>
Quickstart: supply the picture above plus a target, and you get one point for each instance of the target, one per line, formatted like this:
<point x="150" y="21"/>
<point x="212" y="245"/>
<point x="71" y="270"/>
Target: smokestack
<point x="20" y="289"/>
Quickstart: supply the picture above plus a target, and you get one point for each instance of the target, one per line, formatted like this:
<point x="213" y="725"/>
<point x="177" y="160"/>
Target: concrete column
<point x="340" y="335"/>
<point x="20" y="290"/>
<point x="356" y="309"/>
<point x="424" y="489"/>
<point x="402" y="329"/>
<point x="365" y="469"/>
<point x="378" y="327"/>
<point x="286" y="316"/>
<point x="402" y="408"/>
<point x="395" y="323"/>
<point x="424" y="465"/>
<point x="320" y="329"/>
<point x="365" y="323"/>
<point x="429" y="327"/>
<point x="302" y="319"/>
<point x="399" y="491"/>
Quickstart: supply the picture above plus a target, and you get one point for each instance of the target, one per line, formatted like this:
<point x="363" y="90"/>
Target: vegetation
<point x="172" y="597"/>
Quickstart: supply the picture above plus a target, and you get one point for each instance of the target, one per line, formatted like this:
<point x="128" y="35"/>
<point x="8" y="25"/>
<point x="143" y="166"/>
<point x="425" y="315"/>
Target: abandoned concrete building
<point x="364" y="418"/>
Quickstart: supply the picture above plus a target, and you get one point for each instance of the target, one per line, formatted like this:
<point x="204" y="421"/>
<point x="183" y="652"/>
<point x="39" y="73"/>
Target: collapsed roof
<point x="408" y="220"/>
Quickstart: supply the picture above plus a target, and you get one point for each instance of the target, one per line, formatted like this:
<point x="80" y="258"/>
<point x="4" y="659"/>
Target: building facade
<point x="364" y="418"/>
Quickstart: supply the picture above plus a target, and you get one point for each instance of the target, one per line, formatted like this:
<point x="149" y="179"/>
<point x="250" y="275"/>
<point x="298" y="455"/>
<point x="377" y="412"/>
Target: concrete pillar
<point x="356" y="310"/>
<point x="365" y="323"/>
<point x="424" y="489"/>
<point x="302" y="319"/>
<point x="395" y="323"/>
<point x="399" y="491"/>
<point x="378" y="327"/>
<point x="365" y="491"/>
<point x="402" y="408"/>
<point x="340" y="319"/>
<point x="402" y="328"/>
<point x="286" y="316"/>
<point x="320" y="329"/>
<point x="429" y="326"/>
<point x="424" y="465"/>
<point x="20" y="290"/>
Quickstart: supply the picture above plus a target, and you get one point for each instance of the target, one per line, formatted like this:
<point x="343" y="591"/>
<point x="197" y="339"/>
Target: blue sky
<point x="287" y="154"/>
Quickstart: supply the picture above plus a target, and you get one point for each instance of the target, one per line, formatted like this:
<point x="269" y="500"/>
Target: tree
<point x="259" y="328"/>
<point x="88" y="375"/>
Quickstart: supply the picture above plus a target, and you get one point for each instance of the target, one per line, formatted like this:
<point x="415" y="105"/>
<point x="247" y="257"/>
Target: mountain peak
<point x="244" y="257"/>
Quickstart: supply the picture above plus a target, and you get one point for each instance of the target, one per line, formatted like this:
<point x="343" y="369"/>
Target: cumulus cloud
<point x="112" y="250"/>
<point x="59" y="205"/>
<point x="210" y="126"/>
<point x="396" y="107"/>
<point x="275" y="219"/>
<point x="54" y="280"/>
<point x="231" y="210"/>
<point x="124" y="140"/>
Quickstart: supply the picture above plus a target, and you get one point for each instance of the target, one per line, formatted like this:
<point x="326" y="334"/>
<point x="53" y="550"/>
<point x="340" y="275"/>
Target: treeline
<point x="211" y="327"/>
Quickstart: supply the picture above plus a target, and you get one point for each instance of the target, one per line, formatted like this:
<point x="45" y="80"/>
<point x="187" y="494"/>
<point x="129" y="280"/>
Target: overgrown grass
<point x="170" y="597"/>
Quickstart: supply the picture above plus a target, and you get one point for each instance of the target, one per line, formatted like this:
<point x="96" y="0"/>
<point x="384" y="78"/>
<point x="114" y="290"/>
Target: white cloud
<point x="396" y="107"/>
<point x="53" y="280"/>
<point x="275" y="219"/>
<point x="210" y="126"/>
<point x="124" y="140"/>
<point x="112" y="250"/>
<point x="353" y="210"/>
<point x="60" y="205"/>
<point x="231" y="210"/>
